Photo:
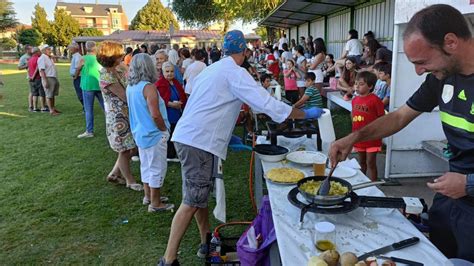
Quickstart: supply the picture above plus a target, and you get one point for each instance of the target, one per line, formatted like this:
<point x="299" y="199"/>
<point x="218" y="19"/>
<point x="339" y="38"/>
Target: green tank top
<point x="90" y="73"/>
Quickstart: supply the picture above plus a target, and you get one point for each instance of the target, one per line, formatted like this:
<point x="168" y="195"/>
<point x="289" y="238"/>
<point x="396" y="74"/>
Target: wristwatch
<point x="470" y="184"/>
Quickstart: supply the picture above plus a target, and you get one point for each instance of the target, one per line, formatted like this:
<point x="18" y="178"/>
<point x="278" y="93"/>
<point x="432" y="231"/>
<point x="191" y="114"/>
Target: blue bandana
<point x="234" y="42"/>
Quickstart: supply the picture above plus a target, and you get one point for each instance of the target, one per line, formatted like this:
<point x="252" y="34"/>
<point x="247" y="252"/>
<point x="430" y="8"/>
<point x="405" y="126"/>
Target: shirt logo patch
<point x="448" y="91"/>
<point x="462" y="96"/>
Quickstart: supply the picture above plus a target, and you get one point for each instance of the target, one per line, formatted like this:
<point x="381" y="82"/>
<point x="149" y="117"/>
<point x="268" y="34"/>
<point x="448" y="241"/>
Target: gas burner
<point x="292" y="128"/>
<point x="351" y="203"/>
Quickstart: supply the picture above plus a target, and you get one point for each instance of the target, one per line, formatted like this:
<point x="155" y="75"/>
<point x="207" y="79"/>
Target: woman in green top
<point x="90" y="73"/>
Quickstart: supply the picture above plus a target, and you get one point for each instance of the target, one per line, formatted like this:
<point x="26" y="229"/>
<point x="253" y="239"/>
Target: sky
<point x="24" y="10"/>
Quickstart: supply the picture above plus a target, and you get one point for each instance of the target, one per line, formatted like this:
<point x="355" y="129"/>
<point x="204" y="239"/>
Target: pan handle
<point x="367" y="184"/>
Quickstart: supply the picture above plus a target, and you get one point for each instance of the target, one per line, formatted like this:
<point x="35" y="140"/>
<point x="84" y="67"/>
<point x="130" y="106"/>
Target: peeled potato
<point x="360" y="263"/>
<point x="316" y="261"/>
<point x="331" y="257"/>
<point x="348" y="259"/>
<point x="389" y="263"/>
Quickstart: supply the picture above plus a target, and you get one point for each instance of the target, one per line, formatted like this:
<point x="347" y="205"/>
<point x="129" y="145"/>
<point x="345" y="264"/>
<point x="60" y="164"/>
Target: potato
<point x="348" y="259"/>
<point x="331" y="257"/>
<point x="388" y="263"/>
<point x="316" y="261"/>
<point x="371" y="261"/>
<point x="360" y="263"/>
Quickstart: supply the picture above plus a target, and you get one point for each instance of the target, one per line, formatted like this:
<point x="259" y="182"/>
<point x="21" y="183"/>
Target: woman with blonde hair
<point x="112" y="84"/>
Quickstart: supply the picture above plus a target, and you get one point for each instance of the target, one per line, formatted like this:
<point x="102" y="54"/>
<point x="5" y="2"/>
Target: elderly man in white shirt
<point x="49" y="74"/>
<point x="193" y="70"/>
<point x="204" y="131"/>
<point x="173" y="56"/>
<point x="75" y="71"/>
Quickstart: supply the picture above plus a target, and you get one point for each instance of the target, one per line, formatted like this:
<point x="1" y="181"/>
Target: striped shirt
<point x="315" y="99"/>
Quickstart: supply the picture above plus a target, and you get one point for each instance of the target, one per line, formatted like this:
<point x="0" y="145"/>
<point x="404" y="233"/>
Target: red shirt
<point x="32" y="67"/>
<point x="366" y="109"/>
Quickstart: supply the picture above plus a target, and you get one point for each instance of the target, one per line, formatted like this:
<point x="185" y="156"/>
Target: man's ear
<point x="451" y="42"/>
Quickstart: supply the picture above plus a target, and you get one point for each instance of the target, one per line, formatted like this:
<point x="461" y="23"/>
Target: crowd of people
<point x="181" y="105"/>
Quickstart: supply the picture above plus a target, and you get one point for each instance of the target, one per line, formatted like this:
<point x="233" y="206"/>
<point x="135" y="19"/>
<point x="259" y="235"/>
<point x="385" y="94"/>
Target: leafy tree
<point x="30" y="36"/>
<point x="7" y="43"/>
<point x="204" y="12"/>
<point x="154" y="16"/>
<point x="40" y="21"/>
<point x="63" y="28"/>
<point x="262" y="32"/>
<point x="90" y="32"/>
<point x="7" y="15"/>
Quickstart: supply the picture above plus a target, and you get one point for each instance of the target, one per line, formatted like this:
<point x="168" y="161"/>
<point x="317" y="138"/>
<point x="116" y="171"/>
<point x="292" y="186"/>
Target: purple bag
<point x="263" y="224"/>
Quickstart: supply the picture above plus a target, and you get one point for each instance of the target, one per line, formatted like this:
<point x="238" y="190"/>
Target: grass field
<point x="57" y="208"/>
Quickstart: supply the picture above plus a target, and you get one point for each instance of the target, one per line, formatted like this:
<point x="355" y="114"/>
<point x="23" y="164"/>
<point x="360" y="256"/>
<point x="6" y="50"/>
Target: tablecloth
<point x="359" y="231"/>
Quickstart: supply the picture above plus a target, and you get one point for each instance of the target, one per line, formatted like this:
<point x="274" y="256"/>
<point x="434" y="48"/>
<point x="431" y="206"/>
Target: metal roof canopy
<point x="292" y="13"/>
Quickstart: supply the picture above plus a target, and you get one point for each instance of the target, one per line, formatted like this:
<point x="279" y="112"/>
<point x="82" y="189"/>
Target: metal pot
<point x="332" y="200"/>
<point x="271" y="153"/>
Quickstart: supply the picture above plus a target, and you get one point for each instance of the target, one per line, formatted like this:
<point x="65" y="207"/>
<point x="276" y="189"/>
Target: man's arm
<point x="382" y="127"/>
<point x="79" y="68"/>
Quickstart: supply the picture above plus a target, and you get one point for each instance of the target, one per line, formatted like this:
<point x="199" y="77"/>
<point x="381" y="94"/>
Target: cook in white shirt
<point x="205" y="128"/>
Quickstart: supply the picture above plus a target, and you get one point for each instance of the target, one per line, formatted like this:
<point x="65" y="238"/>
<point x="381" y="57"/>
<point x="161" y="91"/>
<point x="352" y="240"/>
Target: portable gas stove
<point x="294" y="128"/>
<point x="408" y="204"/>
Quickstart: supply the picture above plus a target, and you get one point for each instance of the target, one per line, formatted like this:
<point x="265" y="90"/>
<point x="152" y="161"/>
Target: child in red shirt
<point x="366" y="107"/>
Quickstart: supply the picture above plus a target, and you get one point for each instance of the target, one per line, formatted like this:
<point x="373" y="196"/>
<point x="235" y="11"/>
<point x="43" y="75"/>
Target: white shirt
<point x="45" y="63"/>
<point x="354" y="47"/>
<point x="75" y="59"/>
<point x="186" y="62"/>
<point x="191" y="73"/>
<point x="173" y="56"/>
<point x="281" y="42"/>
<point x="213" y="107"/>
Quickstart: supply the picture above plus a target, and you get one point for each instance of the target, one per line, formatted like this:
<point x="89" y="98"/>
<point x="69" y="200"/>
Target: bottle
<point x="215" y="248"/>
<point x="325" y="236"/>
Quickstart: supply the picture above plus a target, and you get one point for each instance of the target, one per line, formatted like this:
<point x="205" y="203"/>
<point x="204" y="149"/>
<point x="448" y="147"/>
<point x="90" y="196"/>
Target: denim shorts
<point x="197" y="173"/>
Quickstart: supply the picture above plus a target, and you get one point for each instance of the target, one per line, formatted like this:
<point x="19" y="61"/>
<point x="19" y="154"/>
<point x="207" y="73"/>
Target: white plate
<point x="342" y="172"/>
<point x="305" y="157"/>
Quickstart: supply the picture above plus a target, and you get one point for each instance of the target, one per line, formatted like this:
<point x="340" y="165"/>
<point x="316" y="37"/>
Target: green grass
<point x="57" y="208"/>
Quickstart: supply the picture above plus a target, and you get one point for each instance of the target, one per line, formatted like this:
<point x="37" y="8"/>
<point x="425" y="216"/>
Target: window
<point x="88" y="9"/>
<point x="105" y="23"/>
<point x="90" y="22"/>
<point x="115" y="23"/>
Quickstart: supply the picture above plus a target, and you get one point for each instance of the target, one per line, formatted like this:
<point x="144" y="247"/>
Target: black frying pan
<point x="332" y="200"/>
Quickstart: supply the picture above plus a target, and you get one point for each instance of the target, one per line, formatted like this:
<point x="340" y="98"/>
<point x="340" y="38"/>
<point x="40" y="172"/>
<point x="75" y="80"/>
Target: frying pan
<point x="332" y="200"/>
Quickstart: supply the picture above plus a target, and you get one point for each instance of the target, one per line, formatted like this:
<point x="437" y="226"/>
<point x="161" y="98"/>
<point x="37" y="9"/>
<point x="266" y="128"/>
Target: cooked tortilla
<point x="285" y="175"/>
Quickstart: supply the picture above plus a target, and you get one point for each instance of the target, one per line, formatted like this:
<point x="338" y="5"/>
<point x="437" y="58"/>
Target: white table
<point x="359" y="231"/>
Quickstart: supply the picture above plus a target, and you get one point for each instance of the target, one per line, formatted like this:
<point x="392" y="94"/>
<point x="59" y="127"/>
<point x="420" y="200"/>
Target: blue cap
<point x="234" y="42"/>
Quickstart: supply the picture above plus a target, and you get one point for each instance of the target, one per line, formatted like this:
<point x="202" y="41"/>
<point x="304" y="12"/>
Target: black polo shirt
<point x="455" y="98"/>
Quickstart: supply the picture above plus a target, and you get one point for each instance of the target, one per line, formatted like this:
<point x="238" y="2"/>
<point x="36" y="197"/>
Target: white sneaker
<point x="85" y="135"/>
<point x="135" y="158"/>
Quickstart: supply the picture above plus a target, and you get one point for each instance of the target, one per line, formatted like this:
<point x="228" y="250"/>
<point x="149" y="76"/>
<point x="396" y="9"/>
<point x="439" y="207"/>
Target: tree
<point x="30" y="36"/>
<point x="154" y="16"/>
<point x="7" y="43"/>
<point x="90" y="32"/>
<point x="40" y="21"/>
<point x="63" y="28"/>
<point x="7" y="15"/>
<point x="204" y="12"/>
<point x="262" y="32"/>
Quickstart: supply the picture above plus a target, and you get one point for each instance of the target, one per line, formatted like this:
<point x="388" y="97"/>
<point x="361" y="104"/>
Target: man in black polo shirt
<point x="438" y="40"/>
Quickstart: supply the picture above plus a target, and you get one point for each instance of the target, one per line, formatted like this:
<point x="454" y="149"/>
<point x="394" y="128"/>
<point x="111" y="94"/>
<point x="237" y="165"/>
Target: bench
<point x="335" y="97"/>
